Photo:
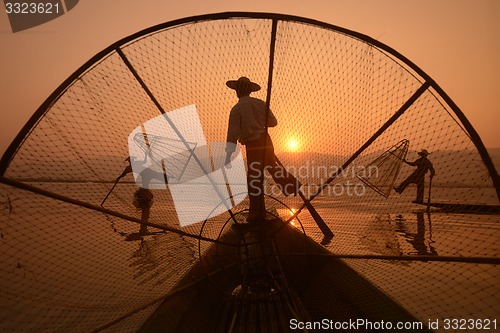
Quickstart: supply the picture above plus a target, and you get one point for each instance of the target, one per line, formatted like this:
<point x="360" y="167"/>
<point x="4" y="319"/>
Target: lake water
<point x="68" y="268"/>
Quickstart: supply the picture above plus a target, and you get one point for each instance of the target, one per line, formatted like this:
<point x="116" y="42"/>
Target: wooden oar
<point x="127" y="170"/>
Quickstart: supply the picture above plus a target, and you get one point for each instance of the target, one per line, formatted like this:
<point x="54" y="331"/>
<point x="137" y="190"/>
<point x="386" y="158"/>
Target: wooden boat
<point x="465" y="208"/>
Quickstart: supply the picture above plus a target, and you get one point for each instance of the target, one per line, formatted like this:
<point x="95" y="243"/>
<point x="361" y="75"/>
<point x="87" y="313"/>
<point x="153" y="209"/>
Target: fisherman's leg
<point x="403" y="185"/>
<point x="286" y="182"/>
<point x="143" y="199"/>
<point x="255" y="181"/>
<point x="420" y="191"/>
<point x="145" y="218"/>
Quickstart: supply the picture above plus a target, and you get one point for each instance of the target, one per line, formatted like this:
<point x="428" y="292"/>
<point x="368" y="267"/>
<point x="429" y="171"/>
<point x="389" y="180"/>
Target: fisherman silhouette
<point x="143" y="197"/>
<point x="248" y="120"/>
<point x="423" y="165"/>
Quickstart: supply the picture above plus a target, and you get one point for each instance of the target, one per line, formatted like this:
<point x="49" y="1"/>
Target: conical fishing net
<point x="385" y="169"/>
<point x="78" y="254"/>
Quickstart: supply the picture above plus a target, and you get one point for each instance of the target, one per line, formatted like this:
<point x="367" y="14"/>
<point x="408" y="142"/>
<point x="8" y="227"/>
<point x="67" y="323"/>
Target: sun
<point x="293" y="145"/>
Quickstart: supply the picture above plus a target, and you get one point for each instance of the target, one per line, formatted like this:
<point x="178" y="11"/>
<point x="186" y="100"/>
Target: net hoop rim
<point x="52" y="98"/>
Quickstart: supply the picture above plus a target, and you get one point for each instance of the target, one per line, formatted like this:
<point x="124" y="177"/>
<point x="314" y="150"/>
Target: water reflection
<point x="157" y="253"/>
<point x="380" y="236"/>
<point x="399" y="235"/>
<point x="159" y="258"/>
<point x="417" y="239"/>
<point x="134" y="236"/>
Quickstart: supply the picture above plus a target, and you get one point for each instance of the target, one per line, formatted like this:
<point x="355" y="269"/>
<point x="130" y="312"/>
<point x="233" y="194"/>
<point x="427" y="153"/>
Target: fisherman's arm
<point x="127" y="170"/>
<point x="271" y="120"/>
<point x="431" y="168"/>
<point x="230" y="148"/>
<point x="414" y="163"/>
<point x="233" y="134"/>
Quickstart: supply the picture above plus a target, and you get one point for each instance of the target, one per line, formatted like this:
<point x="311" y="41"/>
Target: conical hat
<point x="423" y="152"/>
<point x="243" y="82"/>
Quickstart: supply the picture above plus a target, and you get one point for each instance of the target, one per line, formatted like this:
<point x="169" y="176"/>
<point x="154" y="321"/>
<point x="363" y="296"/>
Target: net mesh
<point x="67" y="266"/>
<point x="385" y="169"/>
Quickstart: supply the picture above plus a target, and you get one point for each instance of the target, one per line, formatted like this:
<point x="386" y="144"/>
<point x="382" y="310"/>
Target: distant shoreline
<point x="81" y="181"/>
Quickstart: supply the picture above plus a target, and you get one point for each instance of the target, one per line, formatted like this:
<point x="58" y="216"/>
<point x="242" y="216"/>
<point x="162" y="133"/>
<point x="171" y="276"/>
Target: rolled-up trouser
<point x="414" y="179"/>
<point x="260" y="157"/>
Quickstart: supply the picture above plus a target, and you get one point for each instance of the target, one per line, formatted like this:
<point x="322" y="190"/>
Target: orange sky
<point x="455" y="41"/>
